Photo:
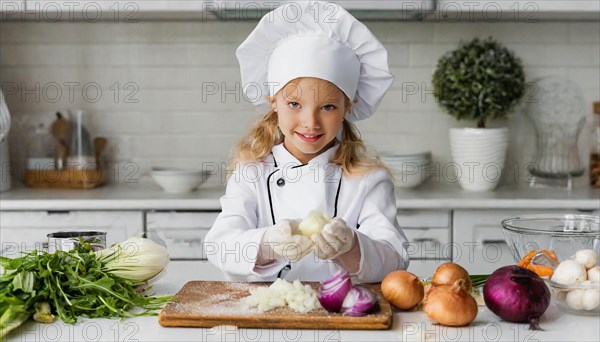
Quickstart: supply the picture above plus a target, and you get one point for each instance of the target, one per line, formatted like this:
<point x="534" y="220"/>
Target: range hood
<point x="236" y="10"/>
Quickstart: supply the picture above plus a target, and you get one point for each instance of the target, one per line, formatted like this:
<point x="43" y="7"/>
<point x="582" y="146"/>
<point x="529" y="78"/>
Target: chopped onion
<point x="334" y="290"/>
<point x="360" y="301"/>
<point x="295" y="295"/>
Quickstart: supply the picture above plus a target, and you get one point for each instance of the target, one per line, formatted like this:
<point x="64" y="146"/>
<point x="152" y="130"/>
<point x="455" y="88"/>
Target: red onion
<point x="334" y="290"/>
<point x="517" y="294"/>
<point x="360" y="301"/>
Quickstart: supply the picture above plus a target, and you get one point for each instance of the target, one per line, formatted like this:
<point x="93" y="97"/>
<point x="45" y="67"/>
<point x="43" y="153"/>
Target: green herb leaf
<point x="24" y="281"/>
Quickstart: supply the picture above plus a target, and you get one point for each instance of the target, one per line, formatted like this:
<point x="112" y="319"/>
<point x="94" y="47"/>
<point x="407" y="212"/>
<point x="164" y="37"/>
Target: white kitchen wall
<point x="170" y="92"/>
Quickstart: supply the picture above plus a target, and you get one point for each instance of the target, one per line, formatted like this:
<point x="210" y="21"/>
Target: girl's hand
<point x="334" y="240"/>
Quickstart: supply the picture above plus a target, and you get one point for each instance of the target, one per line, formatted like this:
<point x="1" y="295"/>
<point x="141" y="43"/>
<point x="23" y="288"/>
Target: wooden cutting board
<point x="208" y="304"/>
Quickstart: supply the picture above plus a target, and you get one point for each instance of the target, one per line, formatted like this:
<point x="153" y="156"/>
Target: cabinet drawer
<point x="424" y="268"/>
<point x="423" y="218"/>
<point x="428" y="233"/>
<point x="428" y="243"/>
<point x="181" y="232"/>
<point x="27" y="230"/>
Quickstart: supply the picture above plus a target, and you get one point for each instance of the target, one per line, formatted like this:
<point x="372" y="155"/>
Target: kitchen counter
<point x="146" y="195"/>
<point x="408" y="326"/>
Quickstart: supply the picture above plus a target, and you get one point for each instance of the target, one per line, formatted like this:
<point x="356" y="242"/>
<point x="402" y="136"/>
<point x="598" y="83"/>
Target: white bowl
<point x="409" y="176"/>
<point x="423" y="156"/>
<point x="179" y="181"/>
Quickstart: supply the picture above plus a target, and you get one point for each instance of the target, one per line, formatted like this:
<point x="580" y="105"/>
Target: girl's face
<point x="310" y="112"/>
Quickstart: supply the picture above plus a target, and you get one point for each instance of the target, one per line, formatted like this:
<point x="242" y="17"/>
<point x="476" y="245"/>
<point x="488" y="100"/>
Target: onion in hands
<point x="516" y="294"/>
<point x="402" y="289"/>
<point x="334" y="290"/>
<point x="360" y="301"/>
<point x="450" y="305"/>
<point x="313" y="223"/>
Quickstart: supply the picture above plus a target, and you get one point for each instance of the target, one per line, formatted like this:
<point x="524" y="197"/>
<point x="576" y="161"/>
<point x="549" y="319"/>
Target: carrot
<point x="541" y="270"/>
<point x="526" y="260"/>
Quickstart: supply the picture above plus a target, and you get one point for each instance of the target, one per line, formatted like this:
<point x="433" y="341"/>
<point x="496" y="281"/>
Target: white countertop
<point x="148" y="196"/>
<point x="408" y="326"/>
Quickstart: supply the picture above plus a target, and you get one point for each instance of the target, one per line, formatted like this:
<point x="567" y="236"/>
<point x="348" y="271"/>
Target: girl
<point x="305" y="154"/>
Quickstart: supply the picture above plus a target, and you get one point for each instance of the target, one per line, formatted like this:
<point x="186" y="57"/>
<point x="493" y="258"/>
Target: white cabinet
<point x="181" y="232"/>
<point x="27" y="230"/>
<point x="478" y="243"/>
<point x="429" y="237"/>
<point x="424" y="268"/>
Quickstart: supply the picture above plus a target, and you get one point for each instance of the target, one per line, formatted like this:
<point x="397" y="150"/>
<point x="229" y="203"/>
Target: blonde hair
<point x="352" y="155"/>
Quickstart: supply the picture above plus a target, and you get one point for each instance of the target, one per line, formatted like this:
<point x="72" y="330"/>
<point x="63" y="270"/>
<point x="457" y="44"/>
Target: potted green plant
<point x="479" y="81"/>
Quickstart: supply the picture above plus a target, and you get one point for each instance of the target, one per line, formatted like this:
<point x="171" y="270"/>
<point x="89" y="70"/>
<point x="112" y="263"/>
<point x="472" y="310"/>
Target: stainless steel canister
<point x="66" y="241"/>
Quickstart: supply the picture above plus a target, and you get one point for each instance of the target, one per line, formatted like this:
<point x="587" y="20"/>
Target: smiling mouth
<point x="309" y="137"/>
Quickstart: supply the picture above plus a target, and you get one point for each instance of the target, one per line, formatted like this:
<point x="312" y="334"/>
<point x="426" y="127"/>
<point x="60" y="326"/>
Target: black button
<point x="280" y="182"/>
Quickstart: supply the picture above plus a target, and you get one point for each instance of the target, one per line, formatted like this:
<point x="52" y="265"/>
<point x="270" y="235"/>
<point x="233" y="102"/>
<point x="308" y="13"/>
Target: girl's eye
<point x="294" y="105"/>
<point x="329" y="107"/>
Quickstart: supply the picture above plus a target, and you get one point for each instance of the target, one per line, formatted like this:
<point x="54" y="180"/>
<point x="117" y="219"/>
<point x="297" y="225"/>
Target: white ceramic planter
<point x="479" y="155"/>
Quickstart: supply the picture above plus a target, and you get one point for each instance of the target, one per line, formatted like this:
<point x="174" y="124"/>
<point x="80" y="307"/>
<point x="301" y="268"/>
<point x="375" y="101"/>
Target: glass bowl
<point x="563" y="234"/>
<point x="579" y="299"/>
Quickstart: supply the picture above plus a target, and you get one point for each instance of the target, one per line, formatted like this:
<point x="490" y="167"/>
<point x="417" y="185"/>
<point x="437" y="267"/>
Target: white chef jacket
<point x="280" y="187"/>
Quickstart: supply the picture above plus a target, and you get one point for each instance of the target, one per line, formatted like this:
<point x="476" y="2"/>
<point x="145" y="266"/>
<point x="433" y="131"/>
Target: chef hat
<point x="315" y="39"/>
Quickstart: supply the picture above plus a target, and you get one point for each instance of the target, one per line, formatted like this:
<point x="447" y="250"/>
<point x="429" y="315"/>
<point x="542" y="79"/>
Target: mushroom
<point x="586" y="257"/>
<point x="569" y="272"/>
<point x="575" y="299"/>
<point x="593" y="274"/>
<point x="591" y="299"/>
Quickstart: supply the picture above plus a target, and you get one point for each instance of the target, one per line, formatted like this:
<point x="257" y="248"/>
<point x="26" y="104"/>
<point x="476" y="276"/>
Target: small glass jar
<point x="40" y="148"/>
<point x="595" y="148"/>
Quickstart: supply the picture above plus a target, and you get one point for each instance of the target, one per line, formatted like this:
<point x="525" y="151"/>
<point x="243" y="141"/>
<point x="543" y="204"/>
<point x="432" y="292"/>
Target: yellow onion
<point x="402" y="289"/>
<point x="136" y="259"/>
<point x="448" y="273"/>
<point x="450" y="305"/>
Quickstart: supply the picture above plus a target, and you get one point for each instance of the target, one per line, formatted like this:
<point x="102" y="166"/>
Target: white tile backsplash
<point x="558" y="55"/>
<point x="588" y="32"/>
<point x="514" y="32"/>
<point x="179" y="99"/>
